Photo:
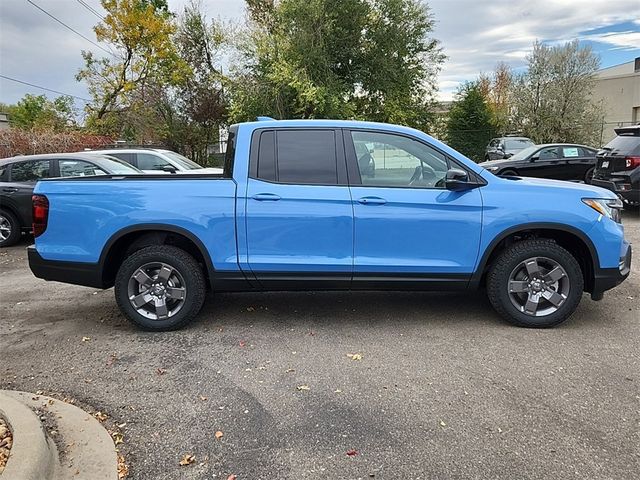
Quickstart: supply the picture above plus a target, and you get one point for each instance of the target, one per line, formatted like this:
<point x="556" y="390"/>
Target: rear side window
<point x="306" y="156"/>
<point x="31" y="171"/>
<point x="125" y="157"/>
<point x="295" y="156"/>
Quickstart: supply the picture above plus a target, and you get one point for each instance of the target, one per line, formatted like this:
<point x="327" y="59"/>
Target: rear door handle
<point x="10" y="189"/>
<point x="266" y="197"/>
<point x="372" y="201"/>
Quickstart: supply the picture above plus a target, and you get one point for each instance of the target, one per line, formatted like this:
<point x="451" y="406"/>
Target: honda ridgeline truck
<point x="330" y="205"/>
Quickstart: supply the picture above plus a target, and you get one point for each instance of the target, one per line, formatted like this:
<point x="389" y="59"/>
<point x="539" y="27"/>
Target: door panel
<point x="406" y="223"/>
<point x="549" y="164"/>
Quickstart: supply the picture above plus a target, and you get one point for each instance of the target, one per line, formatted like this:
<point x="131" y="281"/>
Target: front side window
<point x="148" y="161"/>
<point x="388" y="160"/>
<point x="78" y="168"/>
<point x="30" y="171"/>
<point x="549" y="153"/>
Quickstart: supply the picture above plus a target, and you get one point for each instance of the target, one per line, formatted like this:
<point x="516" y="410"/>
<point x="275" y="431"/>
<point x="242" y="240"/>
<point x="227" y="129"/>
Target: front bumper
<point x="77" y="273"/>
<point x="608" y="278"/>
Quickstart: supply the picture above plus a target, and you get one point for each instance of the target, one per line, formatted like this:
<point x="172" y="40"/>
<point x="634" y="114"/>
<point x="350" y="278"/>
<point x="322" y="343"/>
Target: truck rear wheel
<point x="535" y="283"/>
<point x="160" y="288"/>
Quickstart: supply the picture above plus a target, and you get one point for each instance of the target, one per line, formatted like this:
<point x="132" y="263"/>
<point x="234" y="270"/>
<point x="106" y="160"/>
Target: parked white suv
<point x="156" y="160"/>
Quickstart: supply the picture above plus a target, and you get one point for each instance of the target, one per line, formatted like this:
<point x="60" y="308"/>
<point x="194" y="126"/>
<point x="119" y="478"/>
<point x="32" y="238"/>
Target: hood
<point x="587" y="191"/>
<point x="496" y="163"/>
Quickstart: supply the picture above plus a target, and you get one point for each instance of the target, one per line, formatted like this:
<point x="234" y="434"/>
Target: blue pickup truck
<point x="321" y="204"/>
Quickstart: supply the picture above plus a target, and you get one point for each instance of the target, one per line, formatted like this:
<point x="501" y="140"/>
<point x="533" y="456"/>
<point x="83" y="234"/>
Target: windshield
<point x="117" y="166"/>
<point x="182" y="160"/>
<point x="517" y="143"/>
<point x="522" y="154"/>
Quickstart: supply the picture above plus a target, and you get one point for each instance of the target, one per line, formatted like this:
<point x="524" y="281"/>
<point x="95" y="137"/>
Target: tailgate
<point x="609" y="163"/>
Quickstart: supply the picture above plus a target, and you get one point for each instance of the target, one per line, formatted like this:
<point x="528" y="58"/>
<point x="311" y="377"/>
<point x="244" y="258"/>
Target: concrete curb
<point x="89" y="452"/>
<point x="32" y="456"/>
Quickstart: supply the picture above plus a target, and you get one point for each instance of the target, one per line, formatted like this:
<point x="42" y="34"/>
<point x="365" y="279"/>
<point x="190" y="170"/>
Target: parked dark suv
<point x="618" y="166"/>
<point x="505" y="147"/>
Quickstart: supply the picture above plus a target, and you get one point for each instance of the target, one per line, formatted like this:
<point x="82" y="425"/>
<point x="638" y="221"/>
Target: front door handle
<point x="372" y="201"/>
<point x="10" y="190"/>
<point x="266" y="197"/>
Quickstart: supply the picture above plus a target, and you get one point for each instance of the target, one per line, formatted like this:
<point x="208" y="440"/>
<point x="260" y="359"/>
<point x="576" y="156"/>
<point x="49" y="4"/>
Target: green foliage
<point x="366" y="59"/>
<point x="553" y="100"/>
<point x="38" y="112"/>
<point x="470" y="126"/>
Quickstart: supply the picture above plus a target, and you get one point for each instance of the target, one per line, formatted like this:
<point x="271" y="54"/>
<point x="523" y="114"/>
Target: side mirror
<point x="534" y="158"/>
<point x="456" y="180"/>
<point x="169" y="168"/>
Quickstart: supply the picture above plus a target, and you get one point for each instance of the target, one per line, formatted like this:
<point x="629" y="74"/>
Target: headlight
<point x="608" y="207"/>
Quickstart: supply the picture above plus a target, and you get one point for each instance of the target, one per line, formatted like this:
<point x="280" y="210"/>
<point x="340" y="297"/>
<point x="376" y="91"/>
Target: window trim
<point x="341" y="163"/>
<point x="354" y="170"/>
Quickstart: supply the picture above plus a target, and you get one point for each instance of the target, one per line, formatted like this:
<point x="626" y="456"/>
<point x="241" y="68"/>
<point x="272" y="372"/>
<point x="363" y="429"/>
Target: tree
<point x="496" y="89"/>
<point x="38" y="112"/>
<point x="469" y="126"/>
<point x="552" y="100"/>
<point x="367" y="59"/>
<point x="139" y="32"/>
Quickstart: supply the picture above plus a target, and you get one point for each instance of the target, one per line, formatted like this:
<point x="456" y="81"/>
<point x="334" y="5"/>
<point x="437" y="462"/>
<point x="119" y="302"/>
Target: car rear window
<point x="519" y="143"/>
<point x="624" y="145"/>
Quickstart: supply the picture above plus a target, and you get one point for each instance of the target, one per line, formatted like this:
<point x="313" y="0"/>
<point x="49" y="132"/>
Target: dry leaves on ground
<point x="219" y="435"/>
<point x="123" y="468"/>
<point x="303" y="388"/>
<point x="6" y="441"/>
<point x="354" y="356"/>
<point x="352" y="453"/>
<point x="187" y="459"/>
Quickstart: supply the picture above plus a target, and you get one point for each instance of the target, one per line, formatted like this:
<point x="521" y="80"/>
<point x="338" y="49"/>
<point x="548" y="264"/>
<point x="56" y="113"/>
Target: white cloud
<point x="628" y="40"/>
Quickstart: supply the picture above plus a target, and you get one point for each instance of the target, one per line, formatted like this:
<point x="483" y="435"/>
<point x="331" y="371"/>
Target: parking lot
<point x="339" y="385"/>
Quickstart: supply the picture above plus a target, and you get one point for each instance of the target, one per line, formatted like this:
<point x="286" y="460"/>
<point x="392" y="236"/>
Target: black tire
<point x="189" y="272"/>
<point x="498" y="282"/>
<point x="589" y="175"/>
<point x="508" y="173"/>
<point x="9" y="220"/>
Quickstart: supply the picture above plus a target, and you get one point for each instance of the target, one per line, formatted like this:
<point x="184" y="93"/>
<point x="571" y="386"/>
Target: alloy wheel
<point x="5" y="228"/>
<point x="157" y="290"/>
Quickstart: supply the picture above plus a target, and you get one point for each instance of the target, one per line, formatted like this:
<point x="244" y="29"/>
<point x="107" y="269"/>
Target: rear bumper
<point x="608" y="278"/>
<point x="620" y="185"/>
<point x="85" y="274"/>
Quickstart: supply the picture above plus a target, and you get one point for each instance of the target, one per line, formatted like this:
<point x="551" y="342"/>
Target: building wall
<point x="619" y="89"/>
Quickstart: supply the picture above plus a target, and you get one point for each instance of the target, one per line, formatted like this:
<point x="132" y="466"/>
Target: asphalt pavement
<point x="339" y="385"/>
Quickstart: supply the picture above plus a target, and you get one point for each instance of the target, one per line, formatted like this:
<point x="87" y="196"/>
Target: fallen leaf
<point x="160" y="371"/>
<point x="352" y="453"/>
<point x="101" y="416"/>
<point x="203" y="398"/>
<point x="442" y="424"/>
<point x="303" y="387"/>
<point x="123" y="468"/>
<point x="354" y="356"/>
<point x="338" y="390"/>
<point x="219" y="435"/>
<point x="187" y="459"/>
<point x="242" y="343"/>
<point x="250" y="309"/>
<point x="232" y="477"/>
<point x="118" y="438"/>
<point x="86" y="339"/>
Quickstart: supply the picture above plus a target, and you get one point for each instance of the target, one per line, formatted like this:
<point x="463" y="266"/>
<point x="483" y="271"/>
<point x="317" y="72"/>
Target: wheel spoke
<point x="532" y="303"/>
<point x="518" y="286"/>
<point x="161" y="308"/>
<point x="175" y="293"/>
<point x="142" y="278"/>
<point x="554" y="275"/>
<point x="141" y="299"/>
<point x="533" y="269"/>
<point x="554" y="298"/>
<point x="164" y="273"/>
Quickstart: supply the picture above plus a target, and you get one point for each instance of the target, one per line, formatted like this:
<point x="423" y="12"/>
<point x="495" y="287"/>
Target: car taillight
<point x="40" y="205"/>
<point x="632" y="162"/>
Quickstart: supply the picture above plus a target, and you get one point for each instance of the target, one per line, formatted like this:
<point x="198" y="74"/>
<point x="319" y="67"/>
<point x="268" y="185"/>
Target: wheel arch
<point x="9" y="206"/>
<point x="132" y="238"/>
<point x="570" y="238"/>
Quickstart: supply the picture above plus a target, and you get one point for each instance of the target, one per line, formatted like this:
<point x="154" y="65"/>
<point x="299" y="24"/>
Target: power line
<point x="91" y="9"/>
<point x="68" y="27"/>
<point x="44" y="88"/>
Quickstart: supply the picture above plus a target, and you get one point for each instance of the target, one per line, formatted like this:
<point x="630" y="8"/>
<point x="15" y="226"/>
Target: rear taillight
<point x="40" y="205"/>
<point x="632" y="162"/>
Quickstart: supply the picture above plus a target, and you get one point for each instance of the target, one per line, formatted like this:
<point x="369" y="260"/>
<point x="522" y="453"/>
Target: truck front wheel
<point x="535" y="283"/>
<point x="160" y="288"/>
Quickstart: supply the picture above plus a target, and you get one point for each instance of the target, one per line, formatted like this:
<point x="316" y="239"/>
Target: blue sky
<point x="475" y="36"/>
